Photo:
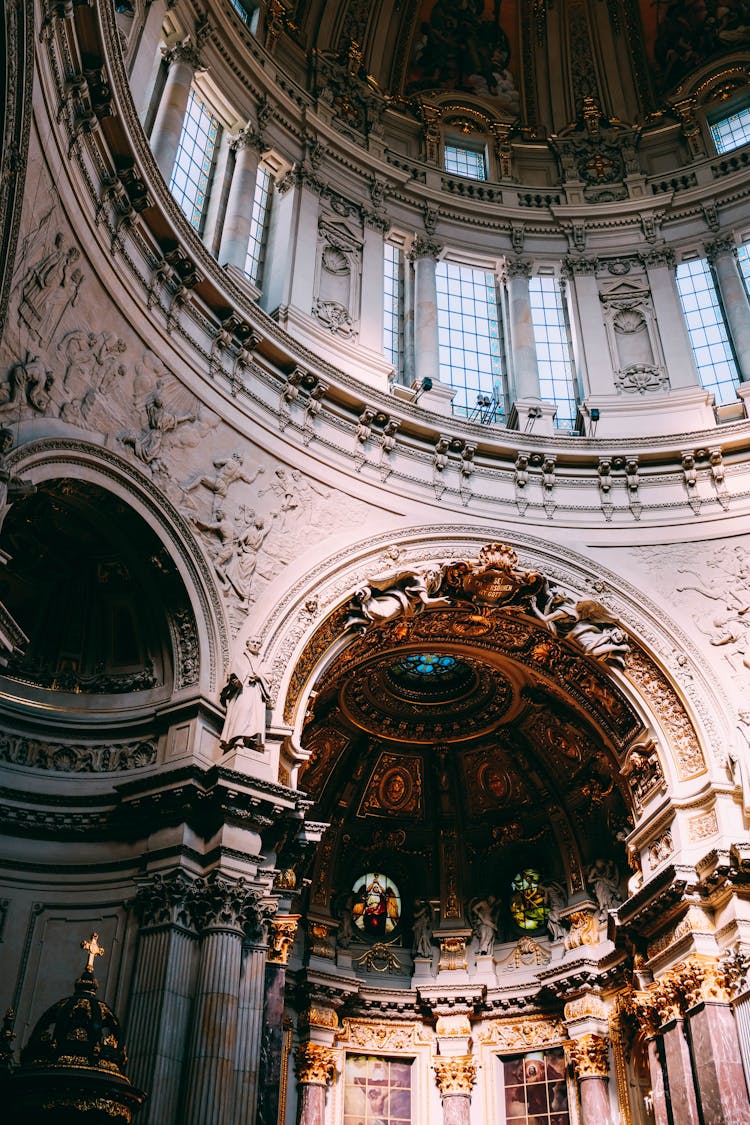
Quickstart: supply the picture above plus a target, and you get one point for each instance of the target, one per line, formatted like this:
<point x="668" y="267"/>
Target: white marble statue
<point x="401" y="593"/>
<point x="245" y="694"/>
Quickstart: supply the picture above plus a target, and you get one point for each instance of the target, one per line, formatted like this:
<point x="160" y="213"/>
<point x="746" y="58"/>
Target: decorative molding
<point x="455" y="1074"/>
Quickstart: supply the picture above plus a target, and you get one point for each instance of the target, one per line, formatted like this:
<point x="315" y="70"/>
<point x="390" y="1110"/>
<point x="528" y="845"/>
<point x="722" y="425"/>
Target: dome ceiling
<point x="531" y="63"/>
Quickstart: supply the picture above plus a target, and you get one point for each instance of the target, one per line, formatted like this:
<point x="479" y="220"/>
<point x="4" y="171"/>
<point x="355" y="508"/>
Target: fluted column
<point x="161" y="995"/>
<point x="426" y="350"/>
<point x="282" y="930"/>
<point x="249" y="1027"/>
<point x="595" y="353"/>
<point x="223" y="909"/>
<point x="314" y="1066"/>
<point x="665" y="299"/>
<point x="590" y="1058"/>
<point x="183" y="62"/>
<point x="722" y="256"/>
<point x="455" y="1076"/>
<point x="523" y="344"/>
<point x="235" y="234"/>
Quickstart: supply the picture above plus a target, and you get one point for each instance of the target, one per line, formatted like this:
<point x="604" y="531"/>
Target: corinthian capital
<point x="186" y="52"/>
<point x="281" y="932"/>
<point x="424" y="248"/>
<point x="455" y="1074"/>
<point x="314" y="1064"/>
<point x="590" y="1056"/>
<point x="217" y="902"/>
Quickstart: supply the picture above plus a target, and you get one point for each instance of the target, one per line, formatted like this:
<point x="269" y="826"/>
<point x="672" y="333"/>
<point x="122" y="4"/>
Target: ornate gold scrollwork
<point x="455" y="1074"/>
<point x="590" y="1056"/>
<point x="282" y="930"/>
<point x="314" y="1064"/>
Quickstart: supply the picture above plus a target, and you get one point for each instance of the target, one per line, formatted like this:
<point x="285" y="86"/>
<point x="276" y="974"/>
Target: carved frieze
<point x="77" y="758"/>
<point x="524" y="1035"/>
<point x="382" y="1035"/>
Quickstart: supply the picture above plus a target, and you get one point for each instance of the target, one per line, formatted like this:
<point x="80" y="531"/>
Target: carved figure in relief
<point x="226" y="532"/>
<point x="604" y="879"/>
<point x="587" y="622"/>
<point x="422" y="929"/>
<point x="245" y="695"/>
<point x="402" y="593"/>
<point x="555" y="901"/>
<point x="30" y="382"/>
<point x="147" y="443"/>
<point x="251" y="533"/>
<point x="229" y="470"/>
<point x="47" y="288"/>
<point x="485" y="913"/>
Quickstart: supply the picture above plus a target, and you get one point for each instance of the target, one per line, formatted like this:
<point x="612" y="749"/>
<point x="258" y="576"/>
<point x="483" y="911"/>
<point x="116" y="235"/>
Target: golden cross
<point x="93" y="949"/>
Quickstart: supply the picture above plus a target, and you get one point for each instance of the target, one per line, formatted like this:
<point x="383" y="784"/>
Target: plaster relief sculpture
<point x="402" y="593"/>
<point x="48" y="287"/>
<point x="589" y="624"/>
<point x="229" y="470"/>
<point x="245" y="696"/>
<point x="29" y="383"/>
<point x="158" y="420"/>
<point x="643" y="771"/>
<point x="738" y="759"/>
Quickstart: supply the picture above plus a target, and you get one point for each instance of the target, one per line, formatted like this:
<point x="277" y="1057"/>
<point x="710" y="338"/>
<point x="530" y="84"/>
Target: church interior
<point x="375" y="562"/>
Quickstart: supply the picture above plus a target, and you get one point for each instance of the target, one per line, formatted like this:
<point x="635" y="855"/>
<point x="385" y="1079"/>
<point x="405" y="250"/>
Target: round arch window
<point x="377" y="905"/>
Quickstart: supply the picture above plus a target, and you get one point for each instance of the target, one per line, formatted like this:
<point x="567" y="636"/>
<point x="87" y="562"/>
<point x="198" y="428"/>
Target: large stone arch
<point x="53" y="458"/>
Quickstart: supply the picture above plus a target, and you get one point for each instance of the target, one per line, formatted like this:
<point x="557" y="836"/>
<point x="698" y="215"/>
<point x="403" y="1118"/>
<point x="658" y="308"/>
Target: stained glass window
<point x="377" y="1091"/>
<point x="377" y="905"/>
<point x="536" y="1092"/>
<point x="194" y="164"/>
<point x="429" y="664"/>
<point x="527" y="900"/>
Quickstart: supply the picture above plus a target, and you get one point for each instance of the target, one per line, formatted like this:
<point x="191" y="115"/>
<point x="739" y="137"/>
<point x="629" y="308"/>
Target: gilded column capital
<point x="455" y="1074"/>
<point x="590" y="1056"/>
<point x="314" y="1064"/>
<point x="282" y="929"/>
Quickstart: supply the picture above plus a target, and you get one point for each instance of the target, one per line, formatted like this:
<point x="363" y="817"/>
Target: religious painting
<point x="469" y="45"/>
<point x="682" y="35"/>
<point x="490" y="781"/>
<point x="377" y="1091"/>
<point x="536" y="1088"/>
<point x="376" y="910"/>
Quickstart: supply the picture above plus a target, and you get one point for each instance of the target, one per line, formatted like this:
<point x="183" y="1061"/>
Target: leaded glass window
<point x="553" y="355"/>
<point x="392" y="305"/>
<point x="194" y="164"/>
<point x="258" y="224"/>
<point x="462" y="161"/>
<point x="732" y="131"/>
<point x="469" y="337"/>
<point x="708" y="334"/>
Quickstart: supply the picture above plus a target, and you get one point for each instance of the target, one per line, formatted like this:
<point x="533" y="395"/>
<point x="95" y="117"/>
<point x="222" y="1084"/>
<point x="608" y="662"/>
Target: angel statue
<point x="485" y="912"/>
<point x="401" y="593"/>
<point x="587" y="622"/>
<point x="555" y="901"/>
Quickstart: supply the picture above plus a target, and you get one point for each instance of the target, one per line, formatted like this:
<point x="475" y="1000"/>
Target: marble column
<point x="523" y="344"/>
<point x="183" y="62"/>
<point x="282" y="929"/>
<point x="235" y="234"/>
<point x="673" y="333"/>
<point x="717" y="1063"/>
<point x="722" y="256"/>
<point x="223" y="909"/>
<point x="656" y="1071"/>
<point x="146" y="63"/>
<point x="455" y="1076"/>
<point x="161" y="994"/>
<point x="426" y="350"/>
<point x="680" y="1081"/>
<point x="590" y="1057"/>
<point x="314" y="1066"/>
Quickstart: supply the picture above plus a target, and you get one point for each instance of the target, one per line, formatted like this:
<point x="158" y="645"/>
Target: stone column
<point x="183" y="62"/>
<point x="371" y="298"/>
<point x="144" y="70"/>
<point x="235" y="234"/>
<point x="426" y="351"/>
<point x="249" y="1025"/>
<point x="679" y="1073"/>
<point x="673" y="333"/>
<point x="282" y="929"/>
<point x="161" y="994"/>
<point x="314" y="1065"/>
<point x="223" y="909"/>
<point x="717" y="1063"/>
<point x="722" y="256"/>
<point x="590" y="1058"/>
<point x="523" y="345"/>
<point x="595" y="357"/>
<point x="656" y="1070"/>
<point x="455" y="1076"/>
